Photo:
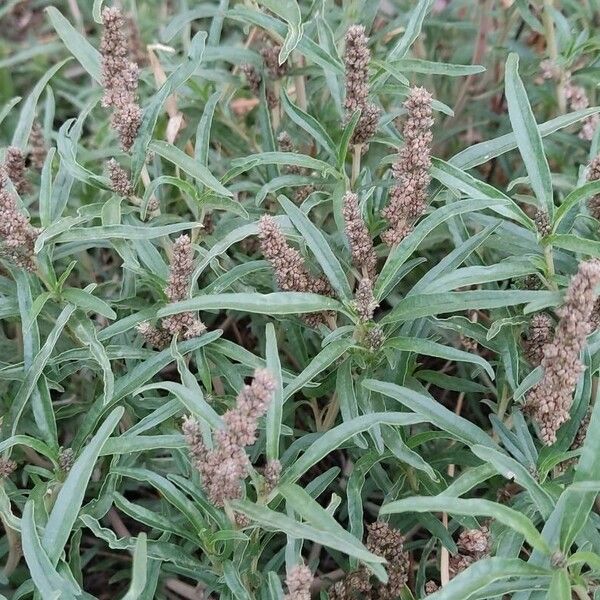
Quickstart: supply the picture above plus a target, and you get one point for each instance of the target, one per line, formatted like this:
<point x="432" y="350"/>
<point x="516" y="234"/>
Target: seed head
<point x="119" y="179"/>
<point x="14" y="166"/>
<point x="154" y="336"/>
<point x="408" y="198"/>
<point x="365" y="301"/>
<point x="359" y="238"/>
<point x="37" y="146"/>
<point x="550" y="400"/>
<point x="17" y="236"/>
<point x="270" y="56"/>
<point x="540" y="332"/>
<point x="594" y="175"/>
<point x="298" y="582"/>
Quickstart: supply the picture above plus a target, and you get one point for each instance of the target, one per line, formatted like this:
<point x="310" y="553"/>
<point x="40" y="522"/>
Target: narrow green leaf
<point x="318" y="245"/>
<point x="189" y="165"/>
<point x="527" y="135"/>
<point x="471" y="507"/>
<point x="71" y="494"/>
<point x="289" y="11"/>
<point x="80" y="48"/>
<point x="138" y="571"/>
<point x="275" y="410"/>
<point x="88" y="302"/>
<point x="432" y="411"/>
<point x="277" y="303"/>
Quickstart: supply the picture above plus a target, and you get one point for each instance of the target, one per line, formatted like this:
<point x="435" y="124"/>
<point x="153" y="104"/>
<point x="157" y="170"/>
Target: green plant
<point x="306" y="303"/>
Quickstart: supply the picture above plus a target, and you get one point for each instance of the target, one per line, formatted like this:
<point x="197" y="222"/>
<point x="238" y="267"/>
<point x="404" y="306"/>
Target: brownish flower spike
<point x="178" y="288"/>
<point x="14" y="166"/>
<point x="37" y="146"/>
<point x="119" y="179"/>
<point x="298" y="582"/>
<point x="119" y="78"/>
<point x="17" y="235"/>
<point x="356" y="60"/>
<point x="594" y="175"/>
<point x="550" y="400"/>
<point x="408" y="198"/>
<point x="224" y="468"/>
<point x="540" y="331"/>
<point x="359" y="238"/>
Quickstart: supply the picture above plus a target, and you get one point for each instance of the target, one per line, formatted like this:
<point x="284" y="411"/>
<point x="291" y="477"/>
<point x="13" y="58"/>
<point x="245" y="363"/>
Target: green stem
<point x="356" y="163"/>
<point x="550" y="272"/>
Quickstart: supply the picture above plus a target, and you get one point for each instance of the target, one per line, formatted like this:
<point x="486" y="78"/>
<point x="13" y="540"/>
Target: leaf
<point x="452" y="177"/>
<point x="80" y="48"/>
<point x="308" y="123"/>
<point x="277" y="303"/>
<point x="318" y="245"/>
<point x="88" y="303"/>
<point x="336" y="436"/>
<point x="433" y="412"/>
<point x="247" y="163"/>
<point x="191" y="400"/>
<point x="527" y="135"/>
<point x="233" y="581"/>
<point x="478" y="154"/>
<point x="584" y="192"/>
<point x="430" y="348"/>
<point x="274" y="521"/>
<point x="560" y="586"/>
<point x="319" y="363"/>
<point x="176" y="79"/>
<point x="48" y="582"/>
<point x="275" y="410"/>
<point x="484" y="572"/>
<point x="424" y="305"/>
<point x="71" y="494"/>
<point x="138" y="572"/>
<point x="34" y="372"/>
<point x="569" y="241"/>
<point x="189" y="165"/>
<point x="412" y="32"/>
<point x="416" y="65"/>
<point x="511" y="469"/>
<point x="27" y="116"/>
<point x="401" y="253"/>
<point x="289" y="11"/>
<point x="300" y="501"/>
<point x="471" y="507"/>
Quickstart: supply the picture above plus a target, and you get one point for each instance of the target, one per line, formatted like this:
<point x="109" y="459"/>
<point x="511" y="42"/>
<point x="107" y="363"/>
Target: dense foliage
<point x="299" y="299"/>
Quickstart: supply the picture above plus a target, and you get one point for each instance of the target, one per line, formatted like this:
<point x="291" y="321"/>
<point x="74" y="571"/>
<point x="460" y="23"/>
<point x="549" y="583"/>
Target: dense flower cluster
<point x="356" y="60"/>
<point x="550" y="400"/>
<point x="119" y="78"/>
<point x="224" y="467"/>
<point x="408" y="198"/>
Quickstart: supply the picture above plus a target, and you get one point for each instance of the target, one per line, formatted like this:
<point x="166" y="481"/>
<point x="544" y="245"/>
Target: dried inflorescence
<point x="271" y="474"/>
<point x="183" y="324"/>
<point x="17" y="235"/>
<point x="542" y="223"/>
<point x="224" y="467"/>
<point x="290" y="270"/>
<point x="388" y="543"/>
<point x="119" y="78"/>
<point x="119" y="179"/>
<point x="270" y="56"/>
<point x="154" y="336"/>
<point x="594" y="175"/>
<point x="178" y="287"/>
<point x="540" y="331"/>
<point x="550" y="400"/>
<point x="7" y="467"/>
<point x="359" y="238"/>
<point x="575" y="95"/>
<point x="14" y="167"/>
<point x="66" y="458"/>
<point x="37" y="146"/>
<point x="408" y="198"/>
<point x="364" y="300"/>
<point x="356" y="60"/>
<point x="298" y="582"/>
<point x="473" y="545"/>
<point x="253" y="78"/>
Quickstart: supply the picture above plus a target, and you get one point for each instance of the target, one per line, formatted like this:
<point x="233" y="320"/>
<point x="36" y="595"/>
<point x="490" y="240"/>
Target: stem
<point x="503" y="404"/>
<point x="553" y="54"/>
<point x="356" y="163"/>
<point x="275" y="115"/>
<point x="14" y="549"/>
<point x="551" y="273"/>
<point x="300" y="87"/>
